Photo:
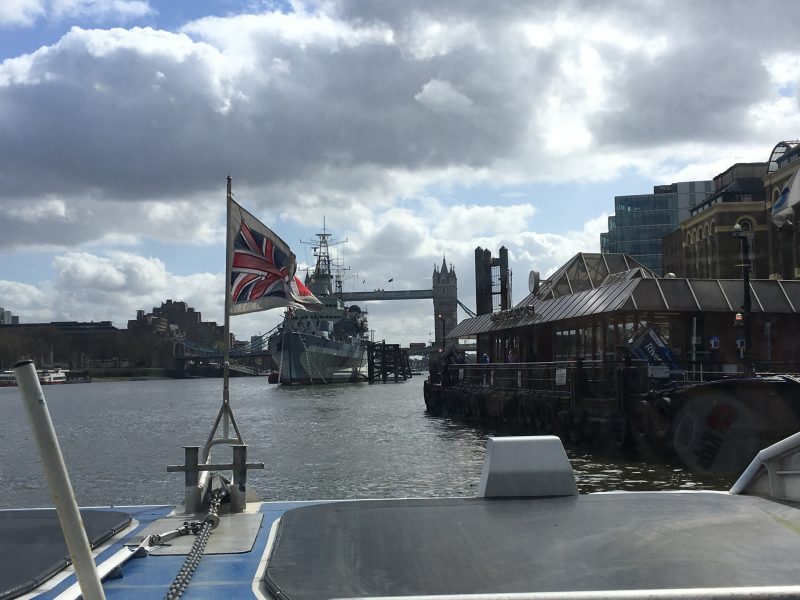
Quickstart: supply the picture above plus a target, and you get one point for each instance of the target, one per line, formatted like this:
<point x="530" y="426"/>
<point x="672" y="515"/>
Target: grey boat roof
<point x="32" y="546"/>
<point x="608" y="542"/>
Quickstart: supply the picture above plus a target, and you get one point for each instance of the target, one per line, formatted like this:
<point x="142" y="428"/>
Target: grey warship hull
<point x="326" y="344"/>
<point x="304" y="358"/>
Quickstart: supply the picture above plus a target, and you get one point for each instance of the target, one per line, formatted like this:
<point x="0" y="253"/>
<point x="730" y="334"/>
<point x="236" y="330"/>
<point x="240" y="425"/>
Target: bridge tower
<point x="445" y="300"/>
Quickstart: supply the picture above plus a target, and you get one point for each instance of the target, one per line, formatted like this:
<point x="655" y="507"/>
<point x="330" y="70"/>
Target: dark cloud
<point x="142" y="114"/>
<point x="132" y="124"/>
<point x="699" y="92"/>
<point x="345" y="111"/>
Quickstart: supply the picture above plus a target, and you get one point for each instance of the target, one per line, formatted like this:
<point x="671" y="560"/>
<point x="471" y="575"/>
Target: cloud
<point x="100" y="10"/>
<point x="119" y="139"/>
<point x="24" y="13"/>
<point x="327" y="101"/>
<point x="112" y="286"/>
<point x="20" y="12"/>
<point x="441" y="96"/>
<point x="63" y="223"/>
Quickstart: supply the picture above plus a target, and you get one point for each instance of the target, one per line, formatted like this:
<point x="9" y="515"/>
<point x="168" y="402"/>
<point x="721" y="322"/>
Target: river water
<point x="317" y="442"/>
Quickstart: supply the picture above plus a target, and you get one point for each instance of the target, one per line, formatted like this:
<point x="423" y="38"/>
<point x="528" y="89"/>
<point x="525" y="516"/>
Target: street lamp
<point x="745" y="242"/>
<point x="441" y="320"/>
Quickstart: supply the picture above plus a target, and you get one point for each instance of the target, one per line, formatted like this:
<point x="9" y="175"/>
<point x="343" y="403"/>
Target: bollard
<point x="58" y="480"/>
<point x="191" y="478"/>
<point x="239" y="487"/>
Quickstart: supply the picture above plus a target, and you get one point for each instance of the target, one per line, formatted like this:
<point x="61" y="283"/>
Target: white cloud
<point x="33" y="300"/>
<point x="20" y="12"/>
<point x="100" y="10"/>
<point x="25" y="12"/>
<point x="114" y="286"/>
<point x="34" y="212"/>
<point x="111" y="287"/>
<point x="441" y="96"/>
<point x="429" y="38"/>
<point x="362" y="113"/>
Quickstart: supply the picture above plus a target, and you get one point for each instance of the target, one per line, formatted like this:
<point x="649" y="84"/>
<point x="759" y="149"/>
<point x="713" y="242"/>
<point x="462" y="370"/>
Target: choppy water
<point x="343" y="441"/>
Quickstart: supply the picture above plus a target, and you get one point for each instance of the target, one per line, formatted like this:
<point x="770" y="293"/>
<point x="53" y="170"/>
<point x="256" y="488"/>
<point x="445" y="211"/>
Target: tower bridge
<point x="387" y="295"/>
<point x="443" y="292"/>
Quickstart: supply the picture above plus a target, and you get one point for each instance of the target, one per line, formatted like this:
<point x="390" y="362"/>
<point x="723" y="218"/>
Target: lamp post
<point x="441" y="320"/>
<point x="745" y="243"/>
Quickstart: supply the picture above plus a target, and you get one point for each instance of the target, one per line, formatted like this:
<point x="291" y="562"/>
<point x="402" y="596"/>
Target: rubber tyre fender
<point x="548" y="417"/>
<point x="662" y="418"/>
<point x="641" y="420"/>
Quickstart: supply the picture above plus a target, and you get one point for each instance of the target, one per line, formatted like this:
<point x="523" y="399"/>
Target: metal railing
<point x="584" y="378"/>
<point x="590" y="378"/>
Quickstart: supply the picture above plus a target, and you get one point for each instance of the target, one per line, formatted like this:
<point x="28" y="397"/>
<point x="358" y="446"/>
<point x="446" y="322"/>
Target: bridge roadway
<point x="387" y="295"/>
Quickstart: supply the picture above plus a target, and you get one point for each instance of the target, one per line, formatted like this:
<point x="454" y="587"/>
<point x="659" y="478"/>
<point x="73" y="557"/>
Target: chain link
<point x="183" y="577"/>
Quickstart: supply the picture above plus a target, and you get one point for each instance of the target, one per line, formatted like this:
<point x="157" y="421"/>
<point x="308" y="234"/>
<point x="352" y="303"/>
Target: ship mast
<point x="321" y="280"/>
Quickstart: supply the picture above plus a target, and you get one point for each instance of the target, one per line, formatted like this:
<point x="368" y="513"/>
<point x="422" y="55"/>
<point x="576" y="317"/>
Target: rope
<point x="184" y="576"/>
<point x="309" y="362"/>
<point x="283" y="349"/>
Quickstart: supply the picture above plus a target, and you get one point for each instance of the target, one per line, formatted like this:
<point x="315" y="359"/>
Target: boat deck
<point x="630" y="541"/>
<point x="351" y="549"/>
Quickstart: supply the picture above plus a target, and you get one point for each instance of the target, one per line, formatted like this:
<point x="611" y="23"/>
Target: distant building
<point x="177" y="317"/>
<point x="257" y="343"/>
<point x="641" y="222"/>
<point x="6" y="318"/>
<point x="66" y="327"/>
<point x="703" y="246"/>
<point x="70" y="344"/>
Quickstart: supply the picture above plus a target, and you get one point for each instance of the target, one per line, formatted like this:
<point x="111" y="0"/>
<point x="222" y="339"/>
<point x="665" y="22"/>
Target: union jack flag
<point x="262" y="272"/>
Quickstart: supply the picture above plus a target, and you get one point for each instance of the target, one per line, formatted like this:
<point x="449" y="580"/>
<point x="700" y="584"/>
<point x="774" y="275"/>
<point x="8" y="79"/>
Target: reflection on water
<point x="343" y="441"/>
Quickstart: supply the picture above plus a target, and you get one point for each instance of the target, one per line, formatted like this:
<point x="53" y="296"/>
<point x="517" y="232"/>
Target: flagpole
<point x="225" y="415"/>
<point x="227" y="348"/>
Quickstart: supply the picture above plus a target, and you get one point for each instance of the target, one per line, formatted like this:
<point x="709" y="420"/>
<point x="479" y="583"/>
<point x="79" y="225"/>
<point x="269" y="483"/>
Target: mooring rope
<point x="283" y="349"/>
<point x="309" y="362"/>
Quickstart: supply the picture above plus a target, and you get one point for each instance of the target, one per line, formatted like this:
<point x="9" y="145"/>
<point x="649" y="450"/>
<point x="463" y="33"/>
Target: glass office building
<point x="640" y="222"/>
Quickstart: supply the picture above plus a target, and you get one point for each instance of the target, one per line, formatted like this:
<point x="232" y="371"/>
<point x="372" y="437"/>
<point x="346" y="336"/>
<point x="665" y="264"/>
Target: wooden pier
<point x="714" y="427"/>
<point x="387" y="362"/>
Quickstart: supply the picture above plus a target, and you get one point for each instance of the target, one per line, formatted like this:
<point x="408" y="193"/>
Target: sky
<point x="414" y="130"/>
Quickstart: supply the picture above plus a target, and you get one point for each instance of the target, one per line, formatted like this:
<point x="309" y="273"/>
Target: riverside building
<point x="640" y="222"/>
<point x="593" y="303"/>
<point x="703" y="245"/>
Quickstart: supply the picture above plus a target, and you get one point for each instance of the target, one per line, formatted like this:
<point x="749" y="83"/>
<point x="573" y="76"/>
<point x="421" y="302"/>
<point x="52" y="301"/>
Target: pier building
<point x="589" y="306"/>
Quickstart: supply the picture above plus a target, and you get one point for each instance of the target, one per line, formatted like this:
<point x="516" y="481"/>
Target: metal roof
<point x="641" y="294"/>
<point x="586" y="271"/>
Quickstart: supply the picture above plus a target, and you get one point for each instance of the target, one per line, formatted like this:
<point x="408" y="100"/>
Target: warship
<point x="324" y="345"/>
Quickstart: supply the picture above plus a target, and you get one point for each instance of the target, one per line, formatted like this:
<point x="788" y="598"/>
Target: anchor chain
<point x="198" y="547"/>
